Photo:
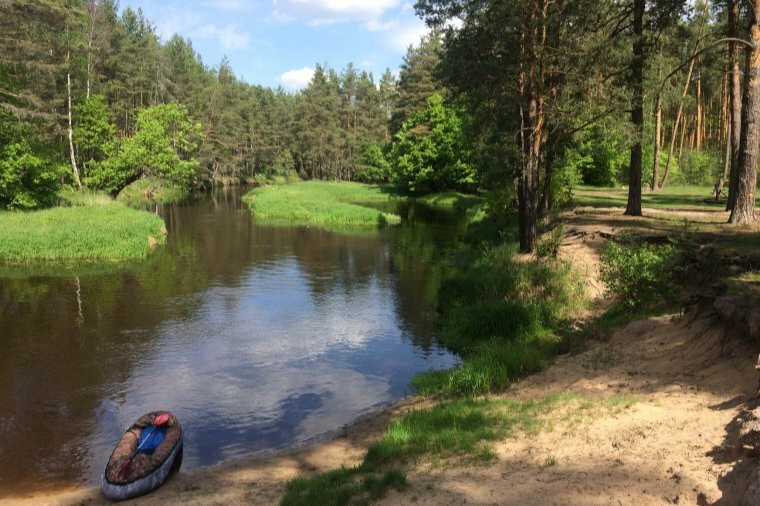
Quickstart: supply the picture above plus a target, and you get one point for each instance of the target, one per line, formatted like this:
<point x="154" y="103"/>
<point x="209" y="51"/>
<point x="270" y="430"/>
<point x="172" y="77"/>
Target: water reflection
<point x="256" y="337"/>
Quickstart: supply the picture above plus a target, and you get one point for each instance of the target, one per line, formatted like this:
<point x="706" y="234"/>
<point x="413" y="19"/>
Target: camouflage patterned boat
<point x="148" y="452"/>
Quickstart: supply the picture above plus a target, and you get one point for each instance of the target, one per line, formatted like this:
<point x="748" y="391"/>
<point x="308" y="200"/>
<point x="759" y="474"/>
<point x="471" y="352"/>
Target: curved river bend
<point x="257" y="338"/>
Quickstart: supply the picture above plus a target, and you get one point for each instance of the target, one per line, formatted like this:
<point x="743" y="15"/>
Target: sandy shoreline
<point x="265" y="472"/>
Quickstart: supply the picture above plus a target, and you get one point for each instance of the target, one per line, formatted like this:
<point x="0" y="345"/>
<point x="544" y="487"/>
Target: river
<point x="257" y="338"/>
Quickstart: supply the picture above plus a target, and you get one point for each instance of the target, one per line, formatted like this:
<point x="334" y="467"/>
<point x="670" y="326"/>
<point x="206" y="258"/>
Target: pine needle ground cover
<point x="333" y="206"/>
<point x="108" y="232"/>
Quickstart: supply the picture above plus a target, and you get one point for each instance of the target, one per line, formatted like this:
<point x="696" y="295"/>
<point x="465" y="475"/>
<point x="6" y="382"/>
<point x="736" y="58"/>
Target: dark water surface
<point x="255" y="337"/>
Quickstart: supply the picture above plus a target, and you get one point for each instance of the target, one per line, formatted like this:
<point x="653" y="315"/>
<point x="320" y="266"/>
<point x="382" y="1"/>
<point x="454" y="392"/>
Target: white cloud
<point x="328" y="11"/>
<point x="176" y="23"/>
<point x="230" y="5"/>
<point x="229" y="37"/>
<point x="407" y="35"/>
<point x="375" y="25"/>
<point x="297" y="79"/>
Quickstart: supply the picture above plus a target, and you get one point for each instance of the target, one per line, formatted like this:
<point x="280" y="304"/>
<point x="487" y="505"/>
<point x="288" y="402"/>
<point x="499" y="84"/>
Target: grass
<point x="501" y="317"/>
<point x="460" y="429"/>
<point x="685" y="197"/>
<point x="109" y="231"/>
<point x="340" y="487"/>
<point x="328" y="205"/>
<point x="152" y="190"/>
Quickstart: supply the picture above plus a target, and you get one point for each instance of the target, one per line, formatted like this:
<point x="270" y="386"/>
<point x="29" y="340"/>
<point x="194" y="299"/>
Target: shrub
<point x="639" y="274"/>
<point x="373" y="167"/>
<point x="27" y="181"/>
<point x="549" y="246"/>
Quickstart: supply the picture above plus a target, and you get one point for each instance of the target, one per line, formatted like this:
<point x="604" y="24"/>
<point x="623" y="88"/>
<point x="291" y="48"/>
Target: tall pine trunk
<point x="532" y="81"/>
<point x="746" y="175"/>
<point x="633" y="208"/>
<point x="657" y="131"/>
<point x="735" y="102"/>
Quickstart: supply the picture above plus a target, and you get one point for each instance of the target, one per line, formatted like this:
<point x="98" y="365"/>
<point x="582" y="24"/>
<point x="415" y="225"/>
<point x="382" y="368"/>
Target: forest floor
<point x="653" y="420"/>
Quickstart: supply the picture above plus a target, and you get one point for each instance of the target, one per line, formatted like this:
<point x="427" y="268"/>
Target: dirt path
<point x="674" y="445"/>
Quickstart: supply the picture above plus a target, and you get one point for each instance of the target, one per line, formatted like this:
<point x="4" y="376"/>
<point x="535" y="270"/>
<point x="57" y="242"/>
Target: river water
<point x="256" y="337"/>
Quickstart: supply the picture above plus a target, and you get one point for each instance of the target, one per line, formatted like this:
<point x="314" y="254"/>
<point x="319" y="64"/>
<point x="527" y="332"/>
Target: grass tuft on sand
<point x="333" y="206"/>
<point x="86" y="231"/>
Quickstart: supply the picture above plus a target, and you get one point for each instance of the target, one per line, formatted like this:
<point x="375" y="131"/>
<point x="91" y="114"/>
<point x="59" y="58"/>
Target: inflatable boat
<point x="148" y="452"/>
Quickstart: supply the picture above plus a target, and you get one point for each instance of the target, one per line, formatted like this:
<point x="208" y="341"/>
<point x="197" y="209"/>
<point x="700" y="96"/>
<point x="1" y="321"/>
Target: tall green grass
<point x="333" y="206"/>
<point x="500" y="316"/>
<point x="84" y="232"/>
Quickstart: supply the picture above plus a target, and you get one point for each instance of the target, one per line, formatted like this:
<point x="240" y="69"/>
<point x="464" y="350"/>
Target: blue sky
<point x="278" y="42"/>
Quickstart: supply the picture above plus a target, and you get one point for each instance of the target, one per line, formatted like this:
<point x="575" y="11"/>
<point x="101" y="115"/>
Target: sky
<point x="278" y="42"/>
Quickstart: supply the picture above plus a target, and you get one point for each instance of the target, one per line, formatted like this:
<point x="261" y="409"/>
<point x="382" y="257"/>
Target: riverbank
<point x="93" y="229"/>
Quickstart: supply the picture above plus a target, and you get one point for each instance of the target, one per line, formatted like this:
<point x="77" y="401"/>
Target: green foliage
<point x="163" y="147"/>
<point x="342" y="486"/>
<point x="699" y="167"/>
<point x="93" y="133"/>
<point x="27" y="181"/>
<point x="151" y="189"/>
<point x="430" y="152"/>
<point x="640" y="274"/>
<point x="103" y="232"/>
<point x="334" y="206"/>
<point x="285" y="167"/>
<point x="599" y="156"/>
<point x="373" y="167"/>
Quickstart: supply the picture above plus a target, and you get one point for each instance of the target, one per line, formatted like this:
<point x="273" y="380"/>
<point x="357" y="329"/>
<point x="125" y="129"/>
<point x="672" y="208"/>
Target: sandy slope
<point x="674" y="446"/>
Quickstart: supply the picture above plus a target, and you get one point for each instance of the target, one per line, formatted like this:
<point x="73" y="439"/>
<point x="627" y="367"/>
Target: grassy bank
<point x="501" y="316"/>
<point x="322" y="204"/>
<point x="110" y="231"/>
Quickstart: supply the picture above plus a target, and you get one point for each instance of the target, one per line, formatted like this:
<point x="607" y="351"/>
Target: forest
<point x="522" y="101"/>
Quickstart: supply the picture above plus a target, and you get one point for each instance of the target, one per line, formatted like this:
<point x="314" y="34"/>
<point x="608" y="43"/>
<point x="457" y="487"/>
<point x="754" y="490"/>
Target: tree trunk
<point x="657" y="130"/>
<point x="74" y="167"/>
<point x="735" y="103"/>
<point x="532" y="81"/>
<point x="633" y="208"/>
<point x="698" y="133"/>
<point x="546" y="194"/>
<point x="679" y="116"/>
<point x="746" y="176"/>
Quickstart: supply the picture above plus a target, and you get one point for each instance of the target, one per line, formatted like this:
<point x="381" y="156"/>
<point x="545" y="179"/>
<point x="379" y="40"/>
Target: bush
<point x="27" y="181"/>
<point x="373" y="167"/>
<point x="431" y="153"/>
<point x="699" y="168"/>
<point x="640" y="274"/>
